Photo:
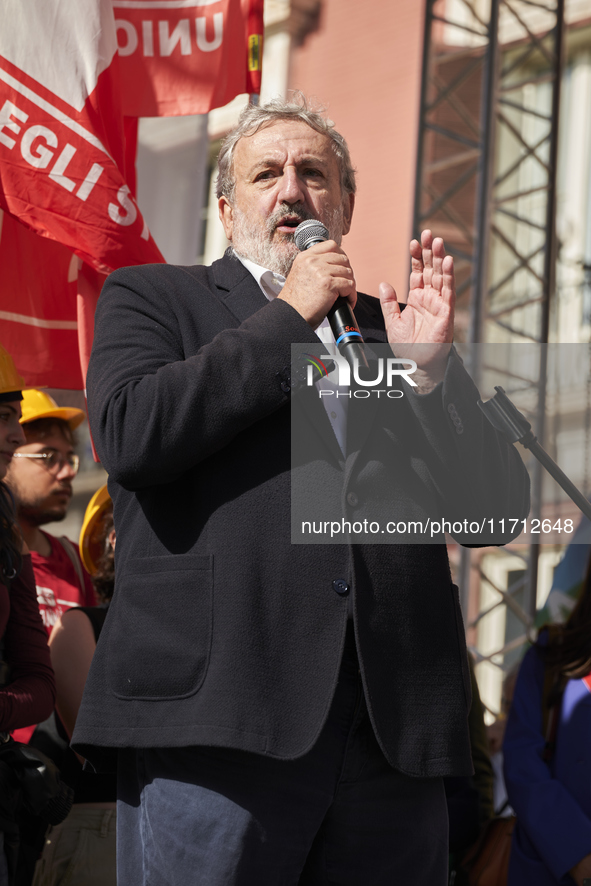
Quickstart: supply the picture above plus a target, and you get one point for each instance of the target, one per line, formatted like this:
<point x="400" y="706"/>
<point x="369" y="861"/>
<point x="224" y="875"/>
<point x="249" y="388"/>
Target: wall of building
<point x="364" y="65"/>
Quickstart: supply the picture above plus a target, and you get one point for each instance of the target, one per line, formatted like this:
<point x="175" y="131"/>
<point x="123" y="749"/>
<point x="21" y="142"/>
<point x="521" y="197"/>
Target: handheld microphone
<point x="340" y="317"/>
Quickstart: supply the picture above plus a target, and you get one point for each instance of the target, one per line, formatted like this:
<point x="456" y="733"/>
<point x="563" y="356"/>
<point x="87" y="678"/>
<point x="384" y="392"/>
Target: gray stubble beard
<point x="259" y="247"/>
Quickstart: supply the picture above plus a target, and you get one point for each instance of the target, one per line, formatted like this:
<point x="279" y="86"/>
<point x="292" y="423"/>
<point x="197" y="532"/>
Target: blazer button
<point x="340" y="586"/>
<point x="352" y="499"/>
<point x="285" y="387"/>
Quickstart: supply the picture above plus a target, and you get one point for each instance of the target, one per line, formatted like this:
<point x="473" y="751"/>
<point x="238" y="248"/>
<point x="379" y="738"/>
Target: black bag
<point x="30" y="786"/>
<point x="29" y="780"/>
<point x="29" y="783"/>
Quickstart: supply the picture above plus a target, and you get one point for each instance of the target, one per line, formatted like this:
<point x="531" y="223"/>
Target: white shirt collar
<point x="271" y="285"/>
<point x="270" y="282"/>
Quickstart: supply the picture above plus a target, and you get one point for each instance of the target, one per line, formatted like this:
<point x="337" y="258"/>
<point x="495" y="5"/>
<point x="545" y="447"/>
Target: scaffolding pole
<point x="486" y="182"/>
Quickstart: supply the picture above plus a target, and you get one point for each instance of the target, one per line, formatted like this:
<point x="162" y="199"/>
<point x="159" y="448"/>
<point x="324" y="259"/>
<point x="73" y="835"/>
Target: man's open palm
<point x="429" y="312"/>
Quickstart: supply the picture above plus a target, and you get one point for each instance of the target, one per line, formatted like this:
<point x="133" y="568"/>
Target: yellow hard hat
<point x="91" y="546"/>
<point x="37" y="404"/>
<point x="10" y="380"/>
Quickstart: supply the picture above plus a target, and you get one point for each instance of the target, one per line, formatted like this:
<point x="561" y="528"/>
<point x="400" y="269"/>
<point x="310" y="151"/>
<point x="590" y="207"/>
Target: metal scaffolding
<point x="486" y="182"/>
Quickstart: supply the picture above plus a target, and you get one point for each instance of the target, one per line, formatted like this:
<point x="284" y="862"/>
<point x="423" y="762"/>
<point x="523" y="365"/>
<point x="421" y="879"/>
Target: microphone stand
<point x="506" y="418"/>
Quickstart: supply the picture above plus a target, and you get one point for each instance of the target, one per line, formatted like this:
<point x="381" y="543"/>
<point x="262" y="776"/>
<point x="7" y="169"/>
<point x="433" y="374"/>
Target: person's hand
<point x="581" y="870"/>
<point x="428" y="318"/>
<point x="317" y="277"/>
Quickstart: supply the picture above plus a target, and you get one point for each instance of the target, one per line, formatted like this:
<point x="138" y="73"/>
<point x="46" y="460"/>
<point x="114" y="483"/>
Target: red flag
<point x="61" y="132"/>
<point x="38" y="323"/>
<point x="187" y="56"/>
<point x="67" y="157"/>
<point x="62" y="162"/>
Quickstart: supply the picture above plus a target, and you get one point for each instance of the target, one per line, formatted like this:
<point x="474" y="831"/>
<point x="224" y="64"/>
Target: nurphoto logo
<point x="384" y="371"/>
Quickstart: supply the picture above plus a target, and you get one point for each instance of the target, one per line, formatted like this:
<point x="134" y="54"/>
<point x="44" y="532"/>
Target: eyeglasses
<point x="54" y="461"/>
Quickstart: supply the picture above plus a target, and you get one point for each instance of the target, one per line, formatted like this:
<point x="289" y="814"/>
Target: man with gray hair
<point x="280" y="713"/>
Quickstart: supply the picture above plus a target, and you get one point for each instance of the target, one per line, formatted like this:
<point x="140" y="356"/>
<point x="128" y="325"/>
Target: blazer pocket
<point x="162" y="622"/>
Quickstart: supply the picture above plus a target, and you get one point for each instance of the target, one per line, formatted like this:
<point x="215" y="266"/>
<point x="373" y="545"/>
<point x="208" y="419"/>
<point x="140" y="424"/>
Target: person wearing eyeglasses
<point x="40" y="477"/>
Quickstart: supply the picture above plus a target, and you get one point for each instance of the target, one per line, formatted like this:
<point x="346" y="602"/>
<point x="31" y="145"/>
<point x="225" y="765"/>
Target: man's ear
<point x="226" y="216"/>
<point x="348" y="207"/>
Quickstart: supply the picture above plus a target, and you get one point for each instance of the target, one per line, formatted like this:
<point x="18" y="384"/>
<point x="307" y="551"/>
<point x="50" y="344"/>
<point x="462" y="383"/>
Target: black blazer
<point x="221" y="631"/>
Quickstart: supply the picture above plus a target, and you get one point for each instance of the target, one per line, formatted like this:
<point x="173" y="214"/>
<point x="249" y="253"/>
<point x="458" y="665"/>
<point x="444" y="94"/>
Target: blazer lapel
<point x="237" y="288"/>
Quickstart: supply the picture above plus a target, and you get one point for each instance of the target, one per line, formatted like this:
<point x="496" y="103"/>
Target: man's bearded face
<point x="42" y="496"/>
<point x="284" y="173"/>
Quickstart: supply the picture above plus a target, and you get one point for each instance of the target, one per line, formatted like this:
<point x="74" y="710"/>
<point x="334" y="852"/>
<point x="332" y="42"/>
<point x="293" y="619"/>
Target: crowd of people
<point x="55" y="601"/>
<point x="259" y="712"/>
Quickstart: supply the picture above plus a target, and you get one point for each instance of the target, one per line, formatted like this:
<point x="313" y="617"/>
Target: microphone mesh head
<point x="308" y="233"/>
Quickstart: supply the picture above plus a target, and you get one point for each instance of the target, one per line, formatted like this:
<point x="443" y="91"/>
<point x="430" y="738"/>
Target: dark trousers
<point x="338" y="815"/>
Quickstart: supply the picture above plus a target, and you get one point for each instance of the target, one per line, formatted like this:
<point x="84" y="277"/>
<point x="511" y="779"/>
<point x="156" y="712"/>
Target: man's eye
<point x="313" y="173"/>
<point x="264" y="176"/>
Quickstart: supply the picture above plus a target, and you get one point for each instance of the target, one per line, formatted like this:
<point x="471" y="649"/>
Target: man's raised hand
<point x="429" y="314"/>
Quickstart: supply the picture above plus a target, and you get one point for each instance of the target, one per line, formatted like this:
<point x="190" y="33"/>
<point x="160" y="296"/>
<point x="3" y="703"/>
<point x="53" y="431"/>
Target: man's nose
<point x="66" y="471"/>
<point x="18" y="435"/>
<point x="290" y="189"/>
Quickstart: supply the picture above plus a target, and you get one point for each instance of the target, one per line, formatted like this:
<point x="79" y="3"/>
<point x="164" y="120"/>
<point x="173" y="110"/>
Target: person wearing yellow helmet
<point x="92" y="535"/>
<point x="40" y="478"/>
<point x="11" y="432"/>
<point x="27" y="688"/>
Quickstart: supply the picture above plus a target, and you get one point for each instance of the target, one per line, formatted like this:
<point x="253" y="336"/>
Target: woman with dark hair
<point x="547" y="752"/>
<point x="27" y="689"/>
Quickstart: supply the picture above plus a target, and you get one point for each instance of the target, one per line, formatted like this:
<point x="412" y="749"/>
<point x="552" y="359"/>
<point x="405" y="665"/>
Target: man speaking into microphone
<point x="279" y="714"/>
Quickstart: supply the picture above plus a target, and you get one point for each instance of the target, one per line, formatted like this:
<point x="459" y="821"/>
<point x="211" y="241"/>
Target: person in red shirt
<point x="82" y="848"/>
<point x="40" y="477"/>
